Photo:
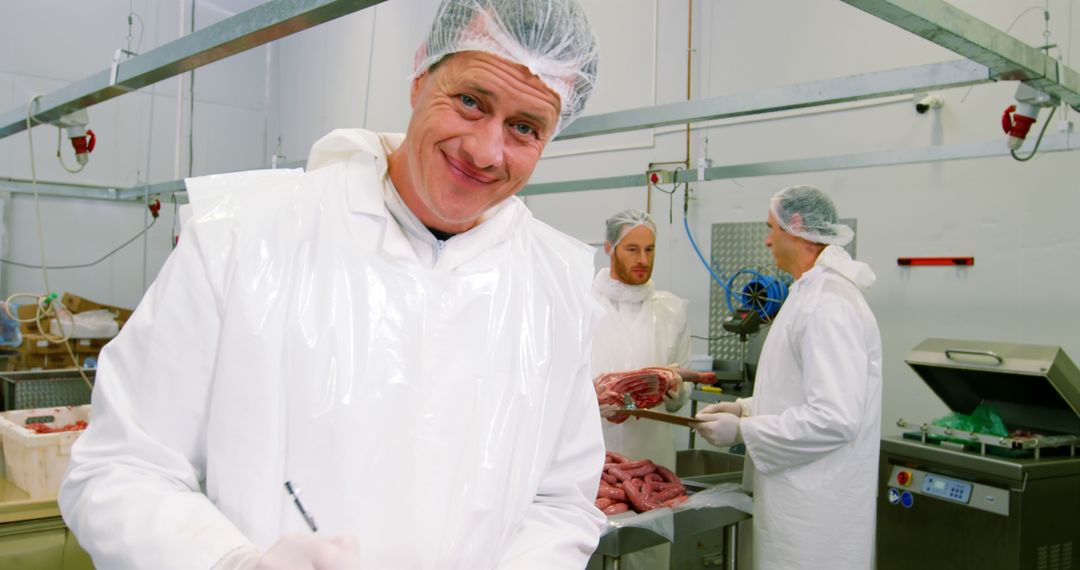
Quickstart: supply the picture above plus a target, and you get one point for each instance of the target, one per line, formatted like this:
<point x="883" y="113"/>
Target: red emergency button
<point x="904" y="478"/>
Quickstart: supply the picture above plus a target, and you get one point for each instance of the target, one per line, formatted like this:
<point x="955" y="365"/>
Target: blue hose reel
<point x="763" y="293"/>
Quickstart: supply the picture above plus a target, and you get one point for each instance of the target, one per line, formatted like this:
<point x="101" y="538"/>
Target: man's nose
<point x="484" y="145"/>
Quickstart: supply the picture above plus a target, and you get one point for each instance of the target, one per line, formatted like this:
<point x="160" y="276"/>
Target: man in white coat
<point x="812" y="427"/>
<point x="642" y="327"/>
<point x="391" y="331"/>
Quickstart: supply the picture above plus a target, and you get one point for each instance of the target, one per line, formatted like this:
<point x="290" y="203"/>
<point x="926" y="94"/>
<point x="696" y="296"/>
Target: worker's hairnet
<point x="818" y="221"/>
<point x="552" y="38"/>
<point x="620" y="224"/>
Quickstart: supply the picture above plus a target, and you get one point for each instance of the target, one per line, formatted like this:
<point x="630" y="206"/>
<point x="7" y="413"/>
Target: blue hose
<point x="718" y="279"/>
<point x="760" y="286"/>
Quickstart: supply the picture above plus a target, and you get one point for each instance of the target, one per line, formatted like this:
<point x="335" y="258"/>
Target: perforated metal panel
<point x="735" y="246"/>
<point x="28" y="390"/>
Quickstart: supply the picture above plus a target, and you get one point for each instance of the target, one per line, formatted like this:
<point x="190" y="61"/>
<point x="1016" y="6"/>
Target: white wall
<point x="47" y="44"/>
<point x="1014" y="218"/>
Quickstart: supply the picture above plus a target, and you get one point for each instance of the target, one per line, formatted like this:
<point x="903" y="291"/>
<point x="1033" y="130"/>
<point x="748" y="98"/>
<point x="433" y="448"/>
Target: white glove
<point x="608" y="410"/>
<point x="676" y="397"/>
<point x="306" y="551"/>
<point x="738" y="407"/>
<point x="719" y="428"/>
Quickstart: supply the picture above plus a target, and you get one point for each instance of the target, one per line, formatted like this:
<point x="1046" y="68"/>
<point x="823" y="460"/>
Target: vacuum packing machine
<point x="959" y="499"/>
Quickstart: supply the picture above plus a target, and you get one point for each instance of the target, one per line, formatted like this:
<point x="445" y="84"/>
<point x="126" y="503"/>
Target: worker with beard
<point x="642" y="327"/>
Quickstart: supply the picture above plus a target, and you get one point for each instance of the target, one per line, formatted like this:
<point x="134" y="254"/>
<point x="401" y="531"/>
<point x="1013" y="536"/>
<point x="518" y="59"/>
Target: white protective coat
<point x="435" y="403"/>
<point x="814" y="427"/>
<point x="641" y="327"/>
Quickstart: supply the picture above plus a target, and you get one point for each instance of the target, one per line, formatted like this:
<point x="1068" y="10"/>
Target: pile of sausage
<point x="640" y="485"/>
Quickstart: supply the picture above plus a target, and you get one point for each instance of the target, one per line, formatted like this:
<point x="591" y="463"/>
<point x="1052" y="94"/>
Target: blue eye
<point x="468" y="101"/>
<point x="524" y="129"/>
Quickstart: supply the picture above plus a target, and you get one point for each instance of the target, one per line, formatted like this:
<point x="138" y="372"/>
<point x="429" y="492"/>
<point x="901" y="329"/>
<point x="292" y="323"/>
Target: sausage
<point x="677" y="501"/>
<point x="611" y="492"/>
<point x="637" y="498"/>
<point x="603" y="503"/>
<point x="666" y="495"/>
<point x="651" y="487"/>
<point x="616" y="508"/>
<point x="639" y="471"/>
<point x="667" y="474"/>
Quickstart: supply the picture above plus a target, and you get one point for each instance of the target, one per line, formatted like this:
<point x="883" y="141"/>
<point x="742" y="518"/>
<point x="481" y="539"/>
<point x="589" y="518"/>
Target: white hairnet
<point x="620" y="224"/>
<point x="552" y="38"/>
<point x="819" y="221"/>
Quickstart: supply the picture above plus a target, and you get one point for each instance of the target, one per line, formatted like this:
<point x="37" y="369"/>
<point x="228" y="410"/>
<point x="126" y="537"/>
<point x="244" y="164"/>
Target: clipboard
<point x="661" y="417"/>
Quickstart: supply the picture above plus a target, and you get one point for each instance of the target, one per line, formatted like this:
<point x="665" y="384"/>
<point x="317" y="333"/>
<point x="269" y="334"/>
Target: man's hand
<point x="718" y="428"/>
<point x="305" y="551"/>
<point x="675" y="393"/>
<point x="723" y="408"/>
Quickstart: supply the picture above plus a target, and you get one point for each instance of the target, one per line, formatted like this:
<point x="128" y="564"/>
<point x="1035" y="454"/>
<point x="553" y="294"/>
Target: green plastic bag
<point x="985" y="419"/>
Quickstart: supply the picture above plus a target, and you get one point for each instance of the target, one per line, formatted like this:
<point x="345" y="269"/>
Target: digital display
<point x="950" y="489"/>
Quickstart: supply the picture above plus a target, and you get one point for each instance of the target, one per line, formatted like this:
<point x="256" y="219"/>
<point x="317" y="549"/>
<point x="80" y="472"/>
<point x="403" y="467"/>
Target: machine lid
<point x="1034" y="387"/>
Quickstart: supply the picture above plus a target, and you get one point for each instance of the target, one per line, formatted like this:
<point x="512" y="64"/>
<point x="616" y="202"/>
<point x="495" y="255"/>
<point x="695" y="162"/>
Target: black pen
<point x="296" y="499"/>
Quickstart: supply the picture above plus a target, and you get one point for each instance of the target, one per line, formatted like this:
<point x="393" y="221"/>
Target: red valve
<point x="1017" y="123"/>
<point x="654" y="178"/>
<point x="155" y="208"/>
<point x="1006" y="118"/>
<point x="83" y="145"/>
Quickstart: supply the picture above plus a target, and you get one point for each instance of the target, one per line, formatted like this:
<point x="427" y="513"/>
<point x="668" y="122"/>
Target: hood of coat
<point x="620" y="292"/>
<point x="341" y="145"/>
<point x="836" y="259"/>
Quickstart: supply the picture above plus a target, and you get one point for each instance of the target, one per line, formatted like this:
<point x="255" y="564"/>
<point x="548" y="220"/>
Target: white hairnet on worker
<point x="620" y="224"/>
<point x="806" y="212"/>
<point x="553" y="40"/>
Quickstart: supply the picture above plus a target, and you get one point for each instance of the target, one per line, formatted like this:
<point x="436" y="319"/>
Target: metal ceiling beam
<point x="959" y="73"/>
<point x="954" y="29"/>
<point x="252" y="28"/>
<point x="985" y="149"/>
<point x="838" y="90"/>
<point x="18" y="186"/>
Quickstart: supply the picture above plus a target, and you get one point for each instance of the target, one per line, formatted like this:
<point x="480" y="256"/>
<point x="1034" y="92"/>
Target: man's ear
<point x="796" y="223"/>
<point x="607" y="248"/>
<point x="417" y="84"/>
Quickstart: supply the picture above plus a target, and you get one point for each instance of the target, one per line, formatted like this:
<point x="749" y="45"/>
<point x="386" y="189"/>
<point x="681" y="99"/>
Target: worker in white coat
<point x="812" y="427"/>
<point x="391" y="331"/>
<point x="642" y="327"/>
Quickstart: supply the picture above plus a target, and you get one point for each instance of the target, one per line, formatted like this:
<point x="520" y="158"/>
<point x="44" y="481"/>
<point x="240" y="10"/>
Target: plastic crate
<point x="36" y="462"/>
<point x="27" y="390"/>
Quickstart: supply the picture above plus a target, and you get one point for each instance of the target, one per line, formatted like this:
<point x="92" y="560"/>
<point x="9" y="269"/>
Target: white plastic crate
<point x="36" y="462"/>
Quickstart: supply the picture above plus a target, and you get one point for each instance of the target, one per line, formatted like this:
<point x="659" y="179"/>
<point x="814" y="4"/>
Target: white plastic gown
<point x="814" y="429"/>
<point x="443" y="415"/>
<point x="641" y="327"/>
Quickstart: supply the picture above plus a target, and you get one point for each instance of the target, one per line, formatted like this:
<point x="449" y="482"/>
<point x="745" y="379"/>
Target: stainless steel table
<point x="620" y="541"/>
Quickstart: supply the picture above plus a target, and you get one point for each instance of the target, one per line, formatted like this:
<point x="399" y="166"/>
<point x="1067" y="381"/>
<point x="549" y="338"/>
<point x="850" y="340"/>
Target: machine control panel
<point x="908" y="483"/>
<point x="946" y="488"/>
